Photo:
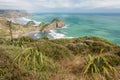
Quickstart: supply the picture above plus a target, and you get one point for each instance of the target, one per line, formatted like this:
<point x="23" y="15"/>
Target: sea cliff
<point x="13" y="13"/>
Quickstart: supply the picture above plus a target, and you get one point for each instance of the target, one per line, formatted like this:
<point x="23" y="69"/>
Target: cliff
<point x="13" y="13"/>
<point x="17" y="29"/>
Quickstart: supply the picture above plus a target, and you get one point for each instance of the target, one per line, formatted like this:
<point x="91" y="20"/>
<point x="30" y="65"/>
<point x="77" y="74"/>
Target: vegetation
<point x="43" y="26"/>
<point x="59" y="59"/>
<point x="99" y="65"/>
<point x="10" y="29"/>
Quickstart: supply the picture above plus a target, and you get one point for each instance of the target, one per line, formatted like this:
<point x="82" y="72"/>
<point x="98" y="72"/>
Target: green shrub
<point x="97" y="46"/>
<point x="9" y="70"/>
<point x="113" y="60"/>
<point x="98" y="39"/>
<point x="78" y="48"/>
<point x="32" y="59"/>
<point x="52" y="50"/>
<point x="99" y="65"/>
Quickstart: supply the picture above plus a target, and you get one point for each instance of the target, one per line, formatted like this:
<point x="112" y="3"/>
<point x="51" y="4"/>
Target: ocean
<point x="79" y="25"/>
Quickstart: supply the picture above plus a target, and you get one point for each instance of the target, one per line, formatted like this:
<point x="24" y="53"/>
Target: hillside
<point x="58" y="59"/>
<point x="13" y="13"/>
<point x="17" y="29"/>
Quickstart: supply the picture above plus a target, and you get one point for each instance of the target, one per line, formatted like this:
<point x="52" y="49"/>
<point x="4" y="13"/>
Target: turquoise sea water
<point x="79" y="25"/>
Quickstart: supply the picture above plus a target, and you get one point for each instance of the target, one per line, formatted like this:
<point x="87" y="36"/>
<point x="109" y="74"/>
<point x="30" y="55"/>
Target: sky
<point x="62" y="5"/>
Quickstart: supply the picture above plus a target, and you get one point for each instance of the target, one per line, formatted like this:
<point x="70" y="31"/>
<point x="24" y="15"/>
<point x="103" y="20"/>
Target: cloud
<point x="35" y="5"/>
<point x="15" y="4"/>
<point x="92" y="4"/>
<point x="86" y="4"/>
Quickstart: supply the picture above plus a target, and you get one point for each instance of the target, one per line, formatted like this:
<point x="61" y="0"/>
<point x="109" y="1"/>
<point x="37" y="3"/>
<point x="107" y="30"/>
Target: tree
<point x="9" y="23"/>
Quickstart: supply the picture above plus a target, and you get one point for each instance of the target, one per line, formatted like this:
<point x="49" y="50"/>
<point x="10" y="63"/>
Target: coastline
<point x="31" y="31"/>
<point x="18" y="29"/>
<point x="102" y="27"/>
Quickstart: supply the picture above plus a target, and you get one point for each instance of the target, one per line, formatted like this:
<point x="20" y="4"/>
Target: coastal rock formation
<point x="30" y="23"/>
<point x="56" y="23"/>
<point x="17" y="29"/>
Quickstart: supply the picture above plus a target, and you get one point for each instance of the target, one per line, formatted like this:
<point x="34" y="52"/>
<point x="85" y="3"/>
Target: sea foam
<point x="56" y="35"/>
<point x="24" y="20"/>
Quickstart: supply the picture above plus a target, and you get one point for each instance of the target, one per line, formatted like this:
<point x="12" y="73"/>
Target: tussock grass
<point x="102" y="67"/>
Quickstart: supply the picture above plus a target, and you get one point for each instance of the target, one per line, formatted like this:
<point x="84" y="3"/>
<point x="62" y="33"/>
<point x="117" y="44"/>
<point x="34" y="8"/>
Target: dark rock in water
<point x="30" y="23"/>
<point x="56" y="23"/>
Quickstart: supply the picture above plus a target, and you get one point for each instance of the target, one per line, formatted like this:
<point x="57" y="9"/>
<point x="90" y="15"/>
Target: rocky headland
<point x="30" y="27"/>
<point x="55" y="23"/>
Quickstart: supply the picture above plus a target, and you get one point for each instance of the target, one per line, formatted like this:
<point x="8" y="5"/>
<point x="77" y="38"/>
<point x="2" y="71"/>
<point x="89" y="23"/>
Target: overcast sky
<point x="62" y="5"/>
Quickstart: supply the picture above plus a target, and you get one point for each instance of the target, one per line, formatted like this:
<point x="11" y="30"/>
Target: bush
<point x="113" y="60"/>
<point x="33" y="60"/>
<point x="99" y="65"/>
<point x="52" y="50"/>
<point x="97" y="46"/>
<point x="78" y="48"/>
<point x="9" y="70"/>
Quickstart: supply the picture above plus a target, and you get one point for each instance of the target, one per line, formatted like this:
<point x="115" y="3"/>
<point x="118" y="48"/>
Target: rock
<point x="43" y="26"/>
<point x="56" y="23"/>
<point x="30" y="23"/>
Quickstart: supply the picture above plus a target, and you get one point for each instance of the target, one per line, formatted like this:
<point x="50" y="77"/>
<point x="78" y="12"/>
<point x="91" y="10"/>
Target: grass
<point x="45" y="59"/>
<point x="9" y="70"/>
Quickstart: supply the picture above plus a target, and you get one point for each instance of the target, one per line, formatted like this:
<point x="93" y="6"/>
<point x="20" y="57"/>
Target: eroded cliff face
<point x="56" y="23"/>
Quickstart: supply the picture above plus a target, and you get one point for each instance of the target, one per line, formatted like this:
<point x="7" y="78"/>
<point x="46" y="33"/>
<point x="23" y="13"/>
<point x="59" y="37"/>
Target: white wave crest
<point x="56" y="35"/>
<point x="66" y="26"/>
<point x="24" y="20"/>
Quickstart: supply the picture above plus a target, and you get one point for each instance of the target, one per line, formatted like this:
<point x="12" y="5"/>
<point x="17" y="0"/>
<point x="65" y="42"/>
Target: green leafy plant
<point x="99" y="65"/>
<point x="32" y="59"/>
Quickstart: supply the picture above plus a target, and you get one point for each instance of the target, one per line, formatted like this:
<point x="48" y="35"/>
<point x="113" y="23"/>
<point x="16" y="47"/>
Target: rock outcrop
<point x="56" y="23"/>
<point x="30" y="23"/>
